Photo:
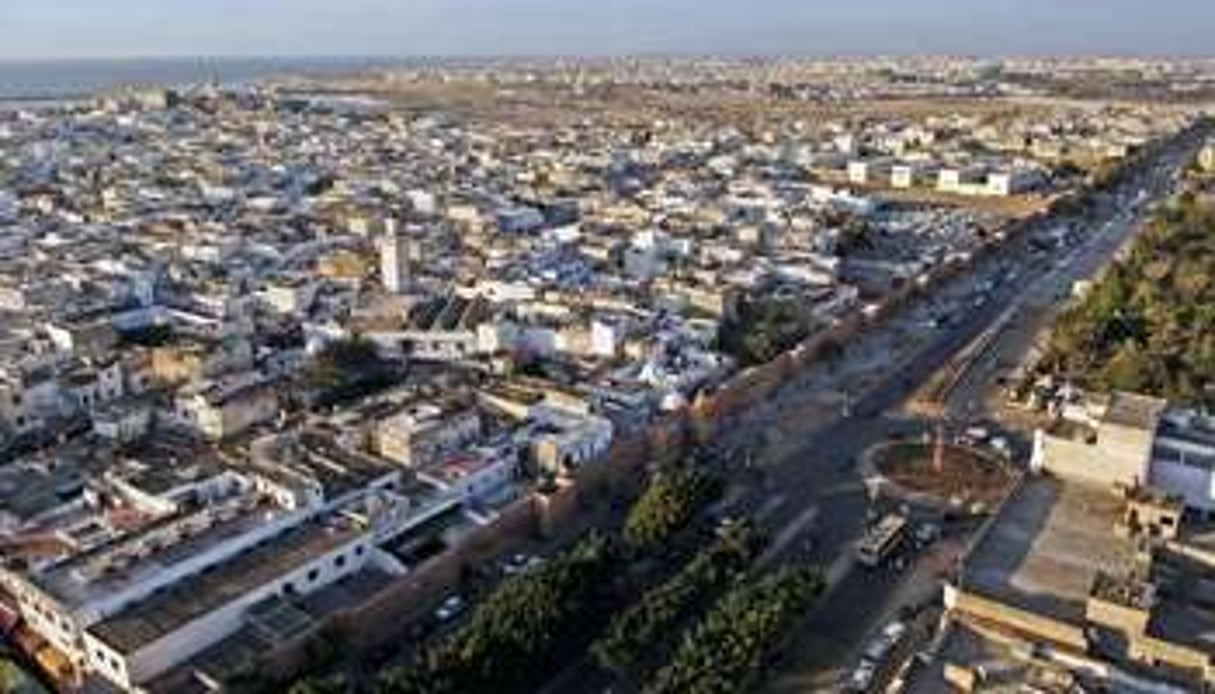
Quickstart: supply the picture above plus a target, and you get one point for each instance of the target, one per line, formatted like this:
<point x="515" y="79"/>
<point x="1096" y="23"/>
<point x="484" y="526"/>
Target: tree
<point x="524" y="632"/>
<point x="1145" y="325"/>
<point x="667" y="506"/>
<point x="347" y="369"/>
<point x="639" y="637"/>
<point x="725" y="652"/>
<point x="331" y="684"/>
<point x="1128" y="370"/>
<point x="763" y="329"/>
<point x="11" y="677"/>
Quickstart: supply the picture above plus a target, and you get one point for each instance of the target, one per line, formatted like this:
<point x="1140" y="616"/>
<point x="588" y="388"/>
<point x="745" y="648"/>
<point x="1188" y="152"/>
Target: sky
<point x="39" y="29"/>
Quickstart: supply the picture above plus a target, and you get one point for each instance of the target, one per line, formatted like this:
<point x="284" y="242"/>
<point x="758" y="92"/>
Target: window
<point x="313" y="575"/>
<point x="340" y="561"/>
<point x="359" y="550"/>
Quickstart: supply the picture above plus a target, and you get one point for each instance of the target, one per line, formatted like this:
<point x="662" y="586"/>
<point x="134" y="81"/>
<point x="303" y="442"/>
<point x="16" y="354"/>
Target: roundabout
<point x="941" y="475"/>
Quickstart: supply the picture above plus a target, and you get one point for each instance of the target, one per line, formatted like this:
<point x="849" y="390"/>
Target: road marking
<point x="839" y="569"/>
<point x="787" y="535"/>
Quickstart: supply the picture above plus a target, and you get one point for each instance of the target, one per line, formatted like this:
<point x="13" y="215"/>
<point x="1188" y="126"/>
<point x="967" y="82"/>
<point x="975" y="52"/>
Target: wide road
<point x="812" y="501"/>
<point x="822" y="474"/>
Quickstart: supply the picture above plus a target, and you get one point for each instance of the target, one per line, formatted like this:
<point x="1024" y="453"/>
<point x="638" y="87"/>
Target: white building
<point x="1132" y="441"/>
<point x="902" y="176"/>
<point x="858" y="172"/>
<point x="1183" y="459"/>
<point x="221" y="410"/>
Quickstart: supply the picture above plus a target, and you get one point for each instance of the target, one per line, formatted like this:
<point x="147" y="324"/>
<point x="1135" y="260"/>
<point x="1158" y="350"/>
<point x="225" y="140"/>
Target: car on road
<point x="880" y="647"/>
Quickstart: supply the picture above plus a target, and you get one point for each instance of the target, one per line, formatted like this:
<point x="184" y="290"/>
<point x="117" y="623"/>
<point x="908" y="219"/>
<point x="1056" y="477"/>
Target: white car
<point x="894" y="631"/>
<point x="1001" y="446"/>
<point x="862" y="677"/>
<point x="451" y="608"/>
<point x="877" y="650"/>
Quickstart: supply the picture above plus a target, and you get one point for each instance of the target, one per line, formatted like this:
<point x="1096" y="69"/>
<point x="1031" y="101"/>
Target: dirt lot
<point x="550" y="105"/>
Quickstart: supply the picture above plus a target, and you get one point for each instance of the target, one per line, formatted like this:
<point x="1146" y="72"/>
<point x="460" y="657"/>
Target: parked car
<point x="451" y="608"/>
<point x="1001" y="446"/>
<point x="877" y="649"/>
<point x="894" y="631"/>
<point x="862" y="677"/>
<point x="519" y="563"/>
<point x="926" y="534"/>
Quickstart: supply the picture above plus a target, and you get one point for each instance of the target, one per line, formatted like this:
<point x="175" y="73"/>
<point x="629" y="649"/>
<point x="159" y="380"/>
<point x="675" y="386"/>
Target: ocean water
<point x="66" y="79"/>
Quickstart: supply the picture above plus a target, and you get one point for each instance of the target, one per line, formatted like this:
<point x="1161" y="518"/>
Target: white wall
<point x="115" y="602"/>
<point x="196" y="636"/>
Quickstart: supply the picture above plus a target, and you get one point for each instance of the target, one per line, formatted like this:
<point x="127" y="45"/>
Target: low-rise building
<point x="220" y="410"/>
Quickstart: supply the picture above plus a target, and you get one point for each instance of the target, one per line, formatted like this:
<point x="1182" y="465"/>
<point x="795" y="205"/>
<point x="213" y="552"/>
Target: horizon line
<point x="600" y="56"/>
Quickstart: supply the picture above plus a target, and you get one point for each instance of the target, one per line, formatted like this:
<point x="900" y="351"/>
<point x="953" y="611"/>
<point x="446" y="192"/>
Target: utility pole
<point x="938" y="451"/>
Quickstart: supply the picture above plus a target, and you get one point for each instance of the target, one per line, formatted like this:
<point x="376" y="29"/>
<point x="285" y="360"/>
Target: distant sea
<point x="62" y="80"/>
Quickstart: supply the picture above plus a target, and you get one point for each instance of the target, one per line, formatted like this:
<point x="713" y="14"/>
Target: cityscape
<point x="629" y="373"/>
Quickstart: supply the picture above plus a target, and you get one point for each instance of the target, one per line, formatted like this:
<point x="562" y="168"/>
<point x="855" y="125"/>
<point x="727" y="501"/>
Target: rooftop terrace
<point x="1047" y="546"/>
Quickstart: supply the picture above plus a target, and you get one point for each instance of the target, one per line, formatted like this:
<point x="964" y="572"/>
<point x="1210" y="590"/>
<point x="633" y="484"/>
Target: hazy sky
<point x="76" y="28"/>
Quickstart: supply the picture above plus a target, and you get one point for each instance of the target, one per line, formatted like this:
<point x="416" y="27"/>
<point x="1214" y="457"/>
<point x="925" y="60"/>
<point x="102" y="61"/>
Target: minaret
<point x="394" y="260"/>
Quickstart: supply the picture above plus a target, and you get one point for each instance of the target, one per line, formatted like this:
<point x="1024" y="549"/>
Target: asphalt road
<point x="822" y="473"/>
<point x="812" y="500"/>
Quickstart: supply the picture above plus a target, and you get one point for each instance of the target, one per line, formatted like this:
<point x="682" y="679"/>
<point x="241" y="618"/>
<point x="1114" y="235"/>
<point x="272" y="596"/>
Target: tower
<point x="394" y="260"/>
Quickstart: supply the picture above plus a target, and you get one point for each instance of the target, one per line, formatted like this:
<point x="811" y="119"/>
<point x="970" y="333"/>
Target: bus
<point x="882" y="539"/>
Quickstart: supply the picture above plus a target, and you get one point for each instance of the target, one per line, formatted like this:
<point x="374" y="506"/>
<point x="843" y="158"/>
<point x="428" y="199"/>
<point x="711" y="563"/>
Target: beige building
<point x="418" y="435"/>
<point x="223" y="410"/>
<point x="1106" y="443"/>
<point x="1091" y="582"/>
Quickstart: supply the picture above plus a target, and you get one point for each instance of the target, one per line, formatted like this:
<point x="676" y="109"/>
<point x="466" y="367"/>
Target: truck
<point x="882" y="540"/>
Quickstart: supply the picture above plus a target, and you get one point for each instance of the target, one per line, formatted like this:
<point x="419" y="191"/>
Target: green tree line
<point x="1148" y="324"/>
<point x="641" y="636"/>
<point x="727" y="651"/>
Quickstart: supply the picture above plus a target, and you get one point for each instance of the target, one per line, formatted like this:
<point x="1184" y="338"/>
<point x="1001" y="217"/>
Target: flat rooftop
<point x="1192" y="444"/>
<point x="1046" y="546"/>
<point x="1185" y="611"/>
<point x="71" y="581"/>
<point x="1135" y="411"/>
<point x="167" y="610"/>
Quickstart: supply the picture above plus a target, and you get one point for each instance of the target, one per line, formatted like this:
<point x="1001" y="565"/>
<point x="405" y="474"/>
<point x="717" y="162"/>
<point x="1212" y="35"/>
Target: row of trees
<point x="641" y="637"/>
<point x="668" y="505"/>
<point x="726" y="652"/>
<point x="525" y="631"/>
<point x="537" y="623"/>
<point x="1149" y="324"/>
<point x="583" y="603"/>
